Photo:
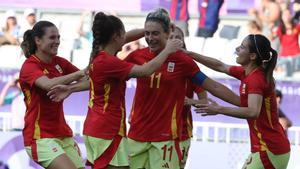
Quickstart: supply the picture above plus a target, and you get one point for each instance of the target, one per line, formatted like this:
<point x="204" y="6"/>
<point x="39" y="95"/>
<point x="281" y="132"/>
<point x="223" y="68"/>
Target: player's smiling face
<point x="243" y="52"/>
<point x="49" y="42"/>
<point x="155" y="36"/>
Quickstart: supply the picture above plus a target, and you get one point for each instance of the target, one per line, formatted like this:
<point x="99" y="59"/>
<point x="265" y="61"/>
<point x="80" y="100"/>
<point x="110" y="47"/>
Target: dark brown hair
<point x="266" y="55"/>
<point x="28" y="45"/>
<point x="104" y="27"/>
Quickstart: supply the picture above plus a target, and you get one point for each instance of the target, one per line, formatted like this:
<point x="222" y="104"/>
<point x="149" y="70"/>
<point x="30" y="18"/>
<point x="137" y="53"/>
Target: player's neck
<point x="110" y="49"/>
<point x="43" y="57"/>
<point x="250" y="68"/>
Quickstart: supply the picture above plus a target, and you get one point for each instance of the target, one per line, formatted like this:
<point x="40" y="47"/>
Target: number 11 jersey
<point x="158" y="102"/>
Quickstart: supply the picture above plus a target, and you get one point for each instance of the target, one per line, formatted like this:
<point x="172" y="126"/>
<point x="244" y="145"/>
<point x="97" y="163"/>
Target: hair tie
<point x="267" y="60"/>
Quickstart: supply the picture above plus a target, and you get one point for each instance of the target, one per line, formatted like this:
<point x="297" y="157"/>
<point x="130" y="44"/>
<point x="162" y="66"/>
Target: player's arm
<point x="250" y="112"/>
<point x="148" y="68"/>
<point x="216" y="88"/>
<point x="210" y="62"/>
<point x="60" y="92"/>
<point x="202" y="99"/>
<point x="46" y="83"/>
<point x="134" y="34"/>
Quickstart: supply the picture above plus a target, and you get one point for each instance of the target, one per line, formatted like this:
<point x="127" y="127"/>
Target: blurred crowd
<point x="12" y="31"/>
<point x="276" y="19"/>
<point x="279" y="21"/>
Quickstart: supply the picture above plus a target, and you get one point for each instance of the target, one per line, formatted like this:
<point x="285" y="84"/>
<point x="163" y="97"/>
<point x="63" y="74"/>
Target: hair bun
<point x="161" y="15"/>
<point x="100" y="16"/>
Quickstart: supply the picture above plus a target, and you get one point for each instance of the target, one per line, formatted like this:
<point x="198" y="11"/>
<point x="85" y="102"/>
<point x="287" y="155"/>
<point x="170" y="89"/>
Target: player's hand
<point x="212" y="108"/>
<point x="82" y="73"/>
<point x="173" y="45"/>
<point x="59" y="93"/>
<point x="190" y="102"/>
<point x="86" y="71"/>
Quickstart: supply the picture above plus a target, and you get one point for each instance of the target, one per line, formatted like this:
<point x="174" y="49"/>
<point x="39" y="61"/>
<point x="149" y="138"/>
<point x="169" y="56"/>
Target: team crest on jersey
<point x="243" y="89"/>
<point x="171" y="67"/>
<point x="58" y="68"/>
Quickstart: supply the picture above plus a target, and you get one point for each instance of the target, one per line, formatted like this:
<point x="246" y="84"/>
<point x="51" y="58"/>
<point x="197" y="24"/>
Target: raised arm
<point x="147" y="69"/>
<point x="221" y="91"/>
<point x="134" y="34"/>
<point x="210" y="62"/>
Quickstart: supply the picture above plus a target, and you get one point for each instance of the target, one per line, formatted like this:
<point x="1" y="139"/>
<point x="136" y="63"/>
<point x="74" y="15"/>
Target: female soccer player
<point x="270" y="147"/>
<point x="47" y="137"/>
<point x="104" y="127"/>
<point x="187" y="122"/>
<point x="157" y="110"/>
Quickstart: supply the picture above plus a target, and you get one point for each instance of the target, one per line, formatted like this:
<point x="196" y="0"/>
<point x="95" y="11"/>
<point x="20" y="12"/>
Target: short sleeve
<point x="114" y="67"/>
<point x="190" y="68"/>
<point x="237" y="72"/>
<point x="30" y="72"/>
<point x="130" y="57"/>
<point x="257" y="87"/>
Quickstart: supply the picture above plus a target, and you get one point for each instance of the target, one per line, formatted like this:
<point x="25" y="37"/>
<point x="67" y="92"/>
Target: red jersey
<point x="187" y="123"/>
<point x="289" y="42"/>
<point x="106" y="111"/>
<point x="158" y="102"/>
<point x="44" y="118"/>
<point x="266" y="133"/>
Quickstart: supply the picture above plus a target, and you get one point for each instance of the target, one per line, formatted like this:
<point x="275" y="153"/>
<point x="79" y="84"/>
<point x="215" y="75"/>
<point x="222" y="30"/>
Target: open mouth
<point x="55" y="47"/>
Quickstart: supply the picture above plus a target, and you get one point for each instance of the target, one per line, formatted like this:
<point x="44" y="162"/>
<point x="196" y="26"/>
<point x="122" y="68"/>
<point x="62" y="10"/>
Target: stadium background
<point x="219" y="142"/>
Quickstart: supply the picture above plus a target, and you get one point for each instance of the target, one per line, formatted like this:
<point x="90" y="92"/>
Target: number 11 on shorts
<point x="166" y="151"/>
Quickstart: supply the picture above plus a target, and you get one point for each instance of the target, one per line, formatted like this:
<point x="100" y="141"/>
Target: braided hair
<point x="104" y="27"/>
